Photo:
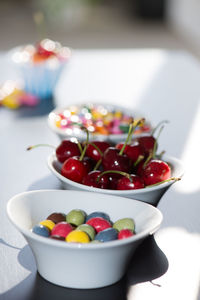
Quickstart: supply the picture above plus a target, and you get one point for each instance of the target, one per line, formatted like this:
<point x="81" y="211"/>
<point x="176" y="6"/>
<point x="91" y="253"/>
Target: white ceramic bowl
<point x="78" y="265"/>
<point x="150" y="195"/>
<point x="81" y="135"/>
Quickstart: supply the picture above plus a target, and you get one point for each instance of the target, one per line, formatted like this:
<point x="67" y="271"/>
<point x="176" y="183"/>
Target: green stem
<point x="114" y="172"/>
<point x="167" y="180"/>
<point x="158" y="125"/>
<point x="156" y="143"/>
<point x="159" y="156"/>
<point x="86" y="144"/>
<point x="150" y="156"/>
<point x="80" y="147"/>
<point x="97" y="164"/>
<point x="140" y="158"/>
<point x="40" y="145"/>
<point x="130" y="133"/>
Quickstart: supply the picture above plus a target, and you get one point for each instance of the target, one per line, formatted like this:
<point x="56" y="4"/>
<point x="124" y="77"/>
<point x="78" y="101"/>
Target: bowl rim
<point x="88" y="246"/>
<point x="128" y="110"/>
<point x="52" y="157"/>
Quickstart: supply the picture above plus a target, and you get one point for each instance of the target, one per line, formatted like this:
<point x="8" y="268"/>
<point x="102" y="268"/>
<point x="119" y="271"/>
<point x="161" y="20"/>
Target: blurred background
<point x="171" y="24"/>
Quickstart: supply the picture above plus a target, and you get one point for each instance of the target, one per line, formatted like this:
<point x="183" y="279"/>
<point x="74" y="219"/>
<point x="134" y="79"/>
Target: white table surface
<point x="162" y="85"/>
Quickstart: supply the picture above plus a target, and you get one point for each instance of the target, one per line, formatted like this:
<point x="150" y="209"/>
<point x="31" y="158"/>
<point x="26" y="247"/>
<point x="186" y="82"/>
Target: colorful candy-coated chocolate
<point x="88" y="229"/>
<point x="99" y="224"/>
<point x="109" y="234"/>
<point x="48" y="223"/>
<point x="125" y="223"/>
<point x="57" y="217"/>
<point x="41" y="230"/>
<point x="77" y="236"/>
<point x="76" y="217"/>
<point x="98" y="214"/>
<point x="62" y="229"/>
<point x="97" y="119"/>
<point x="125" y="233"/>
<point x="95" y="228"/>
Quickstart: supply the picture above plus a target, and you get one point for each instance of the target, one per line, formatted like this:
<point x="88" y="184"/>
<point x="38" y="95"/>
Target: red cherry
<point x="146" y="142"/>
<point x="89" y="163"/>
<point x="91" y="180"/>
<point x="74" y="169"/>
<point x="125" y="233"/>
<point x="156" y="171"/>
<point x="138" y="170"/>
<point x="113" y="180"/>
<point x="113" y="160"/>
<point x="99" y="223"/>
<point x="132" y="183"/>
<point x="67" y="149"/>
<point x="120" y="146"/>
<point x="134" y="151"/>
<point x="93" y="152"/>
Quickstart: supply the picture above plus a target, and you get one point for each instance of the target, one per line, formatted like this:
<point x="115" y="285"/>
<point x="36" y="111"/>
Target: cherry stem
<point x="132" y="128"/>
<point x="156" y="141"/>
<point x="80" y="147"/>
<point x="158" y="125"/>
<point x="86" y="144"/>
<point x="114" y="172"/>
<point x="97" y="164"/>
<point x="40" y="145"/>
<point x="152" y="154"/>
<point x="167" y="180"/>
<point x="139" y="159"/>
<point x="159" y="156"/>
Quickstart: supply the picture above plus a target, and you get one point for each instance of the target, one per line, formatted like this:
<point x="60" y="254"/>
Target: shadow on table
<point x="43" y="108"/>
<point x="48" y="182"/>
<point x="147" y="264"/>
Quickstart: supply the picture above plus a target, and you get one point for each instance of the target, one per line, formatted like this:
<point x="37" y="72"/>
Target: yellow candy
<point x="96" y="115"/>
<point x="10" y="102"/>
<point x="48" y="223"/>
<point x="118" y="114"/>
<point x="77" y="236"/>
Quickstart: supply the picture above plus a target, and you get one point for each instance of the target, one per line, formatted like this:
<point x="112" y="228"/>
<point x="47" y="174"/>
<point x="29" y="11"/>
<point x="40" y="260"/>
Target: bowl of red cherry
<point x="131" y="169"/>
<point x="104" y="122"/>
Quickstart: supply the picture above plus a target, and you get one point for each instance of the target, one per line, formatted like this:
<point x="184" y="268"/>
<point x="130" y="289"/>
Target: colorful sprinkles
<point x="98" y="119"/>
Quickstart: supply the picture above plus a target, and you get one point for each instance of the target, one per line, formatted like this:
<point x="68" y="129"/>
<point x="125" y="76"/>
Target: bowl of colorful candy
<point x="40" y="66"/>
<point x="81" y="239"/>
<point x="103" y="121"/>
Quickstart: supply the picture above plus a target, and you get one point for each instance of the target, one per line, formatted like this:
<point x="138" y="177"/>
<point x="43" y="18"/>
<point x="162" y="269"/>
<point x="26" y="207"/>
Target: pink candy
<point x="99" y="224"/>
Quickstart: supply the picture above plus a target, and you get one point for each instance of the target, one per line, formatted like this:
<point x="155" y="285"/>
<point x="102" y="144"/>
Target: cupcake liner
<point x="41" y="79"/>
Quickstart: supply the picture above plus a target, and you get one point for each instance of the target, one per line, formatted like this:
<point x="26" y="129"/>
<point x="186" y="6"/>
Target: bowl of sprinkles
<point x="103" y="121"/>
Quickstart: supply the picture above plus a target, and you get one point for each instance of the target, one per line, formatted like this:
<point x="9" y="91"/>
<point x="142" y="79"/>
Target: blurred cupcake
<point x="41" y="66"/>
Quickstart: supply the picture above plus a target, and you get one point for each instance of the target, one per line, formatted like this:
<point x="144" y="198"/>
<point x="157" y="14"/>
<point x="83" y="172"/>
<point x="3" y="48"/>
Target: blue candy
<point x="98" y="214"/>
<point x="41" y="230"/>
<point x="109" y="234"/>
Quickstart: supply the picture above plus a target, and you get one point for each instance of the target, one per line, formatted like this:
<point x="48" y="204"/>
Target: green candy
<point x="95" y="242"/>
<point x="88" y="229"/>
<point x="124" y="127"/>
<point x="125" y="223"/>
<point x="76" y="217"/>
